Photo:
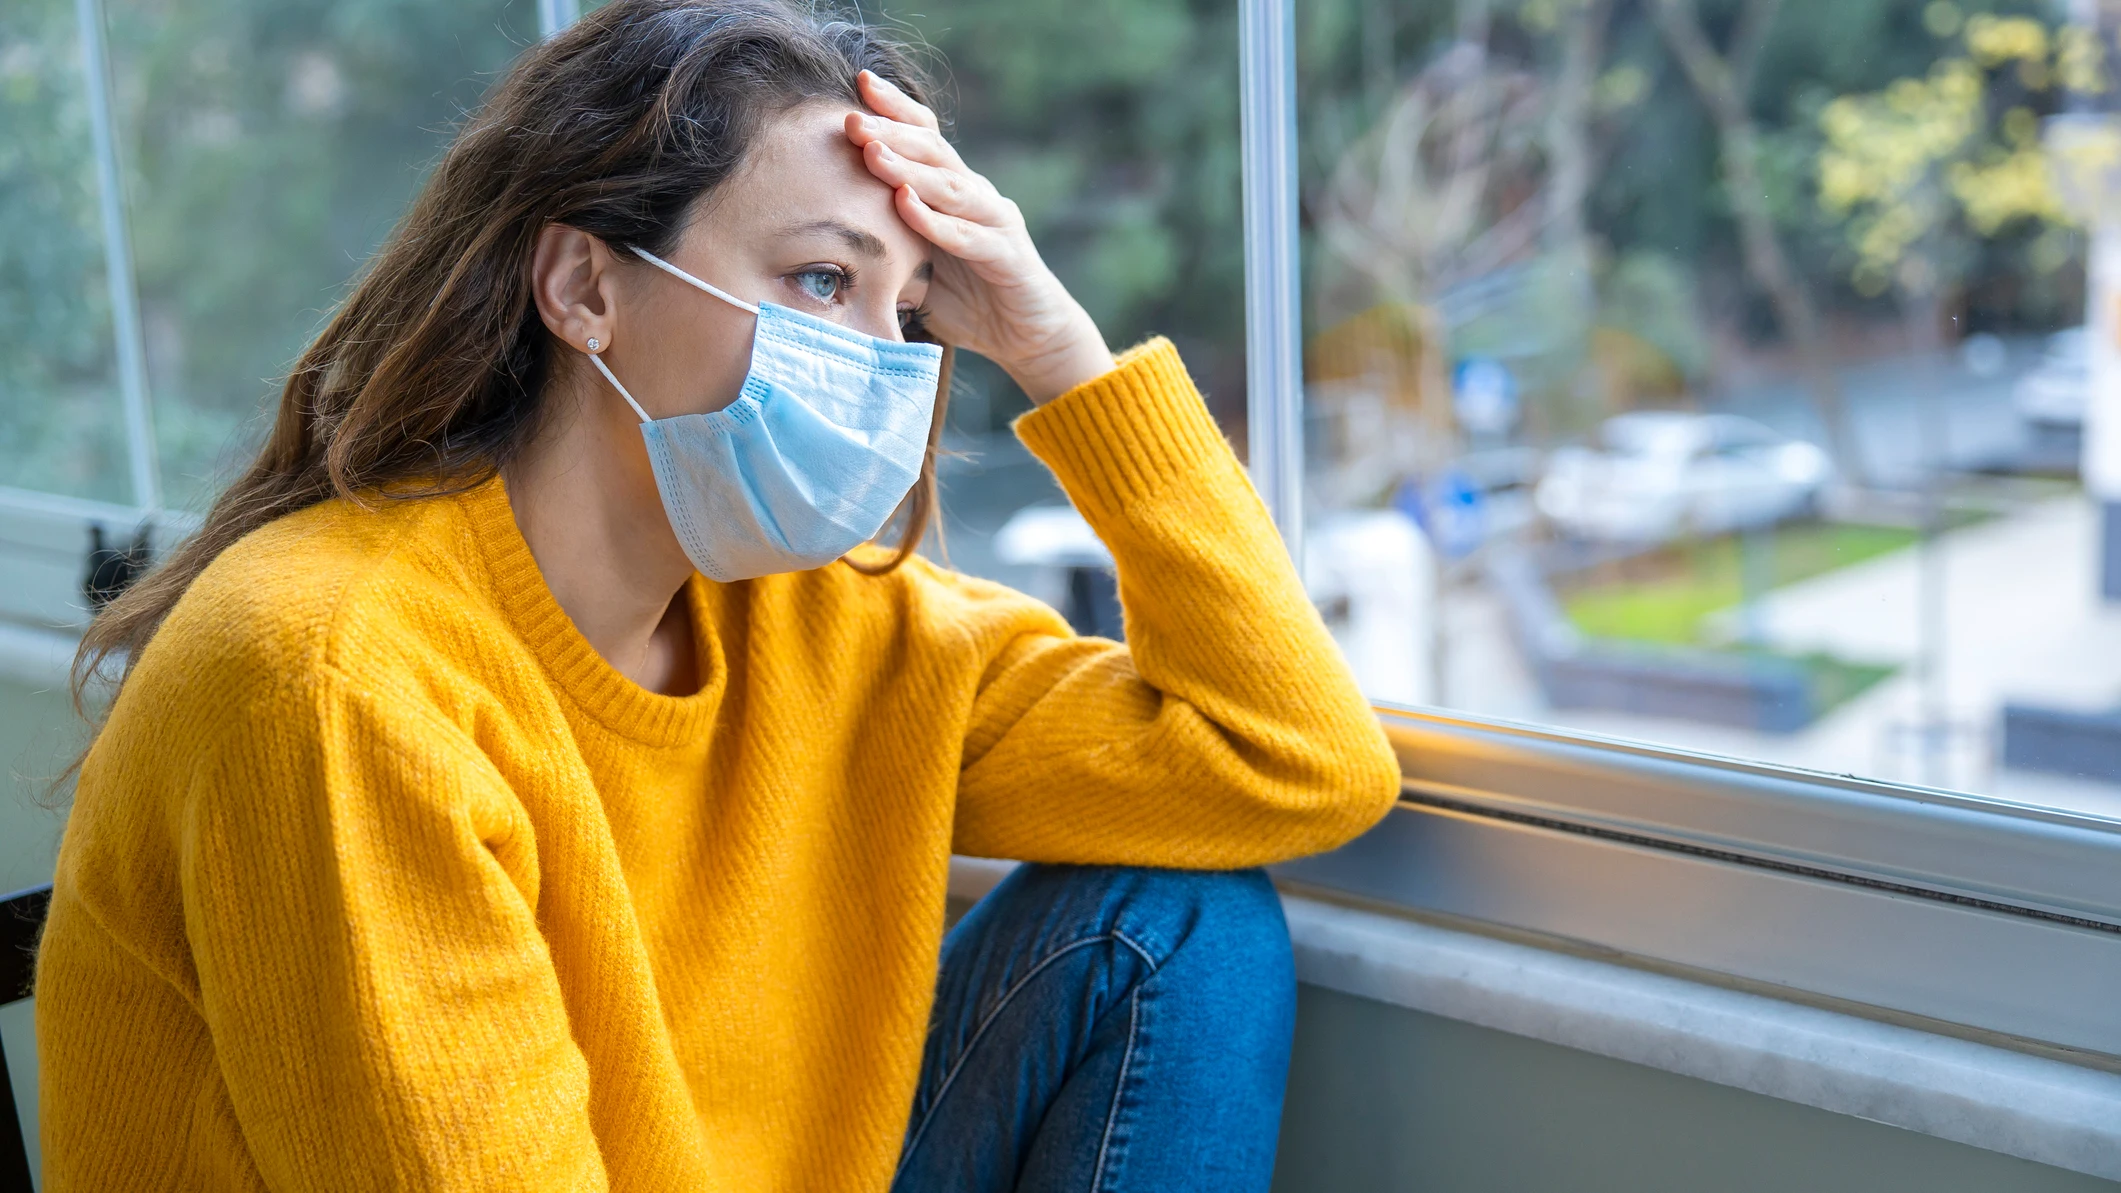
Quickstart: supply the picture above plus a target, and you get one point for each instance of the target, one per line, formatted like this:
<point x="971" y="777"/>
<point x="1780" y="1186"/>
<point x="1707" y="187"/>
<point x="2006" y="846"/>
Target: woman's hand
<point x="992" y="293"/>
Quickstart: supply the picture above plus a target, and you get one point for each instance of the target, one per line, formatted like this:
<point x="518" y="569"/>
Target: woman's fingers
<point x="884" y="98"/>
<point x="906" y="155"/>
<point x="962" y="238"/>
<point x="909" y="140"/>
<point x="956" y="210"/>
<point x="952" y="192"/>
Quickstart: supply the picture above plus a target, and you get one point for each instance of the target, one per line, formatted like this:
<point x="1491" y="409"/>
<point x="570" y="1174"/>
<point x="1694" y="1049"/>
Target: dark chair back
<point x="21" y="924"/>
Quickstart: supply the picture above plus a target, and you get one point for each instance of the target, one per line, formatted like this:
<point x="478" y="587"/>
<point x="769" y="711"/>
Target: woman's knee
<point x="1231" y="915"/>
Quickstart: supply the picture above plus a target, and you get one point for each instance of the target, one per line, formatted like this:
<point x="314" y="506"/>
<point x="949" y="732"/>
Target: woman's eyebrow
<point x="867" y="244"/>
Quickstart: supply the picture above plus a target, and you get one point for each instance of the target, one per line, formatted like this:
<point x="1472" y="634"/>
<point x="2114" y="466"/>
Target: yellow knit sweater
<point x="380" y="877"/>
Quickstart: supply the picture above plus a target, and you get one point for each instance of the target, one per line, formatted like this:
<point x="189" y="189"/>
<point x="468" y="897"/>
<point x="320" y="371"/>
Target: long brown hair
<point x="432" y="374"/>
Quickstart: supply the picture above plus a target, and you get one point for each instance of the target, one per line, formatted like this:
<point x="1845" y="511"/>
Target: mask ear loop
<point x="687" y="278"/>
<point x="605" y="369"/>
<point x="682" y="276"/>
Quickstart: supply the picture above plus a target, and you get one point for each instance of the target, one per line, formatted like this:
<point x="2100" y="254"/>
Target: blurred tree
<point x="1447" y="192"/>
<point x="1709" y="197"/>
<point x="1921" y="172"/>
<point x="1448" y="186"/>
<point x="1724" y="80"/>
<point x="1570" y="137"/>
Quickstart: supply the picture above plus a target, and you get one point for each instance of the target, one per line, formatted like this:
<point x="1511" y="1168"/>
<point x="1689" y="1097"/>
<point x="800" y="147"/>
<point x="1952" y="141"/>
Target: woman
<point x="513" y="788"/>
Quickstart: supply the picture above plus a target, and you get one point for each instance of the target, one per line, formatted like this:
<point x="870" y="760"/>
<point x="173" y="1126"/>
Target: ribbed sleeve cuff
<point x="1118" y="438"/>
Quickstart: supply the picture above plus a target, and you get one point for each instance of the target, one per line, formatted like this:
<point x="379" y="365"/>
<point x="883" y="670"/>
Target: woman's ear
<point x="571" y="275"/>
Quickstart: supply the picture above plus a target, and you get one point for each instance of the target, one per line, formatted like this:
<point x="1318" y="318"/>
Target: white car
<point x="1658" y="474"/>
<point x="2053" y="392"/>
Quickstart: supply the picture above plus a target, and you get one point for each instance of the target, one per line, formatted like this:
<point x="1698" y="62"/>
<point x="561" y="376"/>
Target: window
<point x="1716" y="374"/>
<point x="1686" y="411"/>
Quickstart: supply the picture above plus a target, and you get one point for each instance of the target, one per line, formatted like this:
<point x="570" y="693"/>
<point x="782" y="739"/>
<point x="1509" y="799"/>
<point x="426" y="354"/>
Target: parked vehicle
<point x="2053" y="393"/>
<point x="1655" y="475"/>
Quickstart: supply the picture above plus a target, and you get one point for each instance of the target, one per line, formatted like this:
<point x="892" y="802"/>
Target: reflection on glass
<point x="60" y="429"/>
<point x="1114" y="127"/>
<point x="268" y="146"/>
<point x="1717" y="373"/>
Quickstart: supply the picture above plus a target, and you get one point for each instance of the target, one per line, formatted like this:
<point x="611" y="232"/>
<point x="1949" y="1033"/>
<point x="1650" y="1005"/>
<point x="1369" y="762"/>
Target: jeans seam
<point x="1126" y="1059"/>
<point x="1119" y="1086"/>
<point x="950" y="1078"/>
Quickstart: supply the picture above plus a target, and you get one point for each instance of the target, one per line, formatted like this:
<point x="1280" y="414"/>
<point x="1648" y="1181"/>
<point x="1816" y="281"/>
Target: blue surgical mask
<point x="823" y="442"/>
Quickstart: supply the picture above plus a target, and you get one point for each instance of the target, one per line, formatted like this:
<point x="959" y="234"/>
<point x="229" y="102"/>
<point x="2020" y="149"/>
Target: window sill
<point x="2032" y="1107"/>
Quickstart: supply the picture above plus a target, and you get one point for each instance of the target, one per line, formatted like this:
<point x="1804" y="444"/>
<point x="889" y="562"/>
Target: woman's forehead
<point x="803" y="177"/>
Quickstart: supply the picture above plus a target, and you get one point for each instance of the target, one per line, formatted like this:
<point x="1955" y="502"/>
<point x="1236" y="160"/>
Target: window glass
<point x="60" y="424"/>
<point x="268" y="146"/>
<point x="1717" y="373"/>
<point x="1114" y="126"/>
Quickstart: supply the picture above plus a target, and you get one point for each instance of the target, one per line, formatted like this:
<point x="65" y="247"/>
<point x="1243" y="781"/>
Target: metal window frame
<point x="1266" y="48"/>
<point x="141" y="457"/>
<point x="1949" y="907"/>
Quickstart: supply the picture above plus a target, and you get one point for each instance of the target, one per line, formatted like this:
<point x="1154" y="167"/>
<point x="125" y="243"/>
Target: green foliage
<point x="1918" y="171"/>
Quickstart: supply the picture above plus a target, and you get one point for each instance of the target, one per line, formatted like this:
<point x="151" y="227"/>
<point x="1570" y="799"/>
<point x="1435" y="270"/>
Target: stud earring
<point x="593" y="345"/>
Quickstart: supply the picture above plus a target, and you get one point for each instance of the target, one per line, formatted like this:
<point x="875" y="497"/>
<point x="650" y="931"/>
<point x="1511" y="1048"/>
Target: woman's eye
<point x="821" y="284"/>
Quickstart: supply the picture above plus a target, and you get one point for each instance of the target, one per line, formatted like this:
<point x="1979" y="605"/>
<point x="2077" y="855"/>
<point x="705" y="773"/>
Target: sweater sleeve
<point x="360" y="894"/>
<point x="1228" y="730"/>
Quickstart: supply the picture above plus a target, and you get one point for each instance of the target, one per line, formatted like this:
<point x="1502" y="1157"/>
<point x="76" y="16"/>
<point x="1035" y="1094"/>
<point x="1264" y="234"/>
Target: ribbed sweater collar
<point x="575" y="668"/>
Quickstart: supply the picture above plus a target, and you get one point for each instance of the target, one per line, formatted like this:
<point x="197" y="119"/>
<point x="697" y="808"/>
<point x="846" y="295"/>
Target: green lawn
<point x="1664" y="597"/>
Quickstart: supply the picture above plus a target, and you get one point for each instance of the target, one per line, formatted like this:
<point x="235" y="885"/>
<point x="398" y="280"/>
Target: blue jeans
<point x="1107" y="1030"/>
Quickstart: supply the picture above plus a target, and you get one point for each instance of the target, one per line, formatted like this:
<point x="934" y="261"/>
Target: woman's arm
<point x="360" y="900"/>
<point x="1228" y="731"/>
